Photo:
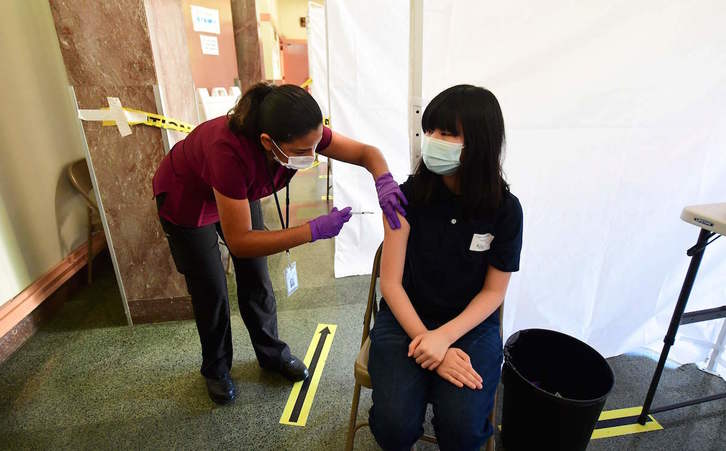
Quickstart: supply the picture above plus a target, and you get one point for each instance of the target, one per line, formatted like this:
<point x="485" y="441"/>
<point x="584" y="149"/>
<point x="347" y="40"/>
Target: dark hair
<point x="475" y="112"/>
<point x="284" y="112"/>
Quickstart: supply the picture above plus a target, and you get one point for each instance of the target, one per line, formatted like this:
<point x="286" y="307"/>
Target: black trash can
<point x="555" y="387"/>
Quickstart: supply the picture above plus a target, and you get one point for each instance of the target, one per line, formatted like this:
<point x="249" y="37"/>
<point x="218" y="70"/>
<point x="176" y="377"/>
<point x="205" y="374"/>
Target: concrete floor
<point x="86" y="380"/>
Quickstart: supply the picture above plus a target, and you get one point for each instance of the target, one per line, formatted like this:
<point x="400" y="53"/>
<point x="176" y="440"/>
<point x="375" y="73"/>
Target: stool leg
<point x="353" y="418"/>
<point x="675" y="322"/>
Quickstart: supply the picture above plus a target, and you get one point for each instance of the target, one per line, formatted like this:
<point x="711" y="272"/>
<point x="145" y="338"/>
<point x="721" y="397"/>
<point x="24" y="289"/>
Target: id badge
<point x="291" y="277"/>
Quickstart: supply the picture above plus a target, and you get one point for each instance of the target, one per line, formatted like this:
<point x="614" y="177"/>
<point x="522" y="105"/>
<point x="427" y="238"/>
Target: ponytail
<point x="284" y="112"/>
<point x="243" y="118"/>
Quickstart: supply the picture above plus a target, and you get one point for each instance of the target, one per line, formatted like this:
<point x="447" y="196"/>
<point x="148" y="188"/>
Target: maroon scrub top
<point x="212" y="156"/>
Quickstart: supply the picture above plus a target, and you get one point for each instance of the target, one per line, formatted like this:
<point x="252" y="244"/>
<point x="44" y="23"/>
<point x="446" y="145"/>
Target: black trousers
<point x="197" y="257"/>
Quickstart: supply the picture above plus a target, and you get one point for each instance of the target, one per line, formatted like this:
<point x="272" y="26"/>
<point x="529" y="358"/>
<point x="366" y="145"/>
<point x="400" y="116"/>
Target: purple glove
<point x="390" y="198"/>
<point x="328" y="226"/>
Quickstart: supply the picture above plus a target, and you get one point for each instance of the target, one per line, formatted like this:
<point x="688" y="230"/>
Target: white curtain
<point x="615" y="115"/>
<point x="368" y="45"/>
<point x="616" y="119"/>
<point x="317" y="61"/>
<point x="317" y="58"/>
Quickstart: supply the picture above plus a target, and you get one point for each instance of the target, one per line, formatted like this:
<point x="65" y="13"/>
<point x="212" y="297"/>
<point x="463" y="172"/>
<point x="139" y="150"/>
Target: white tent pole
<point x="329" y="161"/>
<point x="415" y="65"/>
<point x="327" y="62"/>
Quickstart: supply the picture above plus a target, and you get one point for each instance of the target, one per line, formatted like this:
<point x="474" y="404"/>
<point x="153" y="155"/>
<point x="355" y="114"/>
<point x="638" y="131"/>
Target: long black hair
<point x="475" y="112"/>
<point x="284" y="112"/>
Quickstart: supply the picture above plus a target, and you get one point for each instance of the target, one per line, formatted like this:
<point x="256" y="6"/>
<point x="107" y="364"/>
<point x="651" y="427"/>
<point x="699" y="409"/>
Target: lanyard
<point x="290" y="271"/>
<point x="285" y="223"/>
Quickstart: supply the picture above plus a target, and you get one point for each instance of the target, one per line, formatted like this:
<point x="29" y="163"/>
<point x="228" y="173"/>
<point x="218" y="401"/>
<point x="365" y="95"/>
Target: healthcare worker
<point x="211" y="184"/>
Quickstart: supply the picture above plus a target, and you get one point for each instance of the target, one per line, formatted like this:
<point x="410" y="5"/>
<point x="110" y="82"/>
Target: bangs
<point x="473" y="113"/>
<point x="442" y="114"/>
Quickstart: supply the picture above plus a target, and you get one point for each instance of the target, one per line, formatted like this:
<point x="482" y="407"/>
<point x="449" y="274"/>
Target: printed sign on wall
<point x="210" y="45"/>
<point x="205" y="20"/>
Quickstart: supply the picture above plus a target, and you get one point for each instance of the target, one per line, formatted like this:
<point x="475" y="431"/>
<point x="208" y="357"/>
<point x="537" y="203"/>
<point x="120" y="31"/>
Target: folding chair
<point x="363" y="379"/>
<point x="80" y="178"/>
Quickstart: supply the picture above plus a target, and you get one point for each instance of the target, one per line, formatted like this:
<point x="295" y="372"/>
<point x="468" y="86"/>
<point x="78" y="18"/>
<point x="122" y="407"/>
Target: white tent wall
<point x="368" y="49"/>
<point x="317" y="58"/>
<point x="615" y="115"/>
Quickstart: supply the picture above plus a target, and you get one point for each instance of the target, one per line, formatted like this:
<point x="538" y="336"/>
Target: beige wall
<point x="267" y="26"/>
<point x="289" y="13"/>
<point x="284" y="20"/>
<point x="41" y="218"/>
<point x="267" y="7"/>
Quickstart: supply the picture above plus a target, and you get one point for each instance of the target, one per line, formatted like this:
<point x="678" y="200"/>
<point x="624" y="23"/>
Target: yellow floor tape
<point x="303" y="393"/>
<point x="629" y="418"/>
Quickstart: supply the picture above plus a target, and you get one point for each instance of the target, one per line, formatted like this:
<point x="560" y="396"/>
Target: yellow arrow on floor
<point x="302" y="394"/>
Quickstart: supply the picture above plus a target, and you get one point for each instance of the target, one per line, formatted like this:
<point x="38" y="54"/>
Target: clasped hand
<point x="431" y="350"/>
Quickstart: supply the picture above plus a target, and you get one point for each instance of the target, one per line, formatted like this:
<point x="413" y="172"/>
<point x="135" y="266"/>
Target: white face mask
<point x="441" y="157"/>
<point x="295" y="162"/>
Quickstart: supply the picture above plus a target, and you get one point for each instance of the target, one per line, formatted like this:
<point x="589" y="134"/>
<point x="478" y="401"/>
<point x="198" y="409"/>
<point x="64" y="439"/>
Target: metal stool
<point x="712" y="221"/>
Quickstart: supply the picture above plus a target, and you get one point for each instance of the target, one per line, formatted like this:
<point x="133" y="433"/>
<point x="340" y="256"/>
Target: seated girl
<point x="444" y="275"/>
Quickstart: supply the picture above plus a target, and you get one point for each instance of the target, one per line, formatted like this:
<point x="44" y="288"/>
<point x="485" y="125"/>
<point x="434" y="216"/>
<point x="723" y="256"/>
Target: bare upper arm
<point x="235" y="217"/>
<point x="394" y="251"/>
<point x="496" y="280"/>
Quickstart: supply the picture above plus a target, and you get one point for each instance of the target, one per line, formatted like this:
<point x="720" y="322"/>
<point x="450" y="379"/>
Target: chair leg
<point x="90" y="246"/>
<point x="491" y="443"/>
<point x="350" y="437"/>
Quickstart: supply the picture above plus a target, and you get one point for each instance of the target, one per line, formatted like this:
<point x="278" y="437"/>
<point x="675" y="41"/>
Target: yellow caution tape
<point x="154" y="120"/>
<point x="136" y="117"/>
<point x="316" y="163"/>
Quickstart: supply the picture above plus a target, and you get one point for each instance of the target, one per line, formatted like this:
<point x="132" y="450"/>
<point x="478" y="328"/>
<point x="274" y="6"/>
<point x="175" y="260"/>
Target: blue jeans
<point x="402" y="389"/>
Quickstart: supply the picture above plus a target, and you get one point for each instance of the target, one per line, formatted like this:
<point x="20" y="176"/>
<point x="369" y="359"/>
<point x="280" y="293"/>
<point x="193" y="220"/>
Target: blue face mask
<point x="441" y="157"/>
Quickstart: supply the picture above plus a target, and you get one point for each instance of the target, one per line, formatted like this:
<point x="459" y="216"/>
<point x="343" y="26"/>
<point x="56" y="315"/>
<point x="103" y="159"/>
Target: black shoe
<point x="222" y="390"/>
<point x="293" y="369"/>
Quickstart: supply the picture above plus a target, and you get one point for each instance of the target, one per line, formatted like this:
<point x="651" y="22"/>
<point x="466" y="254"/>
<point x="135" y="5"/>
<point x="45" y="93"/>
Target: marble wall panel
<point x="171" y="60"/>
<point x="107" y="50"/>
<point x="104" y="43"/>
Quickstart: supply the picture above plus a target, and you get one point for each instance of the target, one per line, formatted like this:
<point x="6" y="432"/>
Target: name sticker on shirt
<point x="481" y="243"/>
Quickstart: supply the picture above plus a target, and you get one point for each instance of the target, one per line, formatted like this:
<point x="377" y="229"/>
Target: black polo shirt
<point x="447" y="257"/>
